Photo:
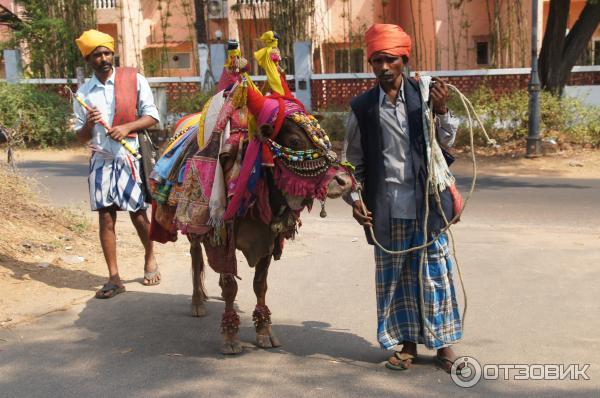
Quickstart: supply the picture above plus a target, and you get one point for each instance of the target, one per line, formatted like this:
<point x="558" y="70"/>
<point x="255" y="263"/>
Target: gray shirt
<point x="399" y="176"/>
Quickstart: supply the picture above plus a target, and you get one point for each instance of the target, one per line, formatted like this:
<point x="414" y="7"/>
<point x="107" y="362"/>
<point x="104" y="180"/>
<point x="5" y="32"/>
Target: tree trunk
<point x="200" y="22"/>
<point x="559" y="53"/>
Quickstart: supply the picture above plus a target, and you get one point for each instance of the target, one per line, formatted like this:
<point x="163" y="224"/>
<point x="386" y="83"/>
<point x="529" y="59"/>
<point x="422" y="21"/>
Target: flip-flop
<point x="150" y="275"/>
<point x="404" y="361"/>
<point x="111" y="288"/>
<point x="443" y="362"/>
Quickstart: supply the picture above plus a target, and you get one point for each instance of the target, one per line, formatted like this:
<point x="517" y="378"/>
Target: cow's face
<point x="337" y="179"/>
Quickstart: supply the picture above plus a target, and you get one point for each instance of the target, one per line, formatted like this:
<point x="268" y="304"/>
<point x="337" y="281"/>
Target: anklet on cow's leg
<point x="265" y="338"/>
<point x="261" y="317"/>
<point x="230" y="322"/>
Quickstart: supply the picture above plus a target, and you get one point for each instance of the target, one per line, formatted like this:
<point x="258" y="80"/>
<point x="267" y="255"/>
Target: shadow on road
<point x="146" y="344"/>
<point x="52" y="275"/>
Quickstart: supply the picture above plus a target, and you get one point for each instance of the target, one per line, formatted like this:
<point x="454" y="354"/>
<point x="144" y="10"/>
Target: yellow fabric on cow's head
<point x="264" y="59"/>
<point x="92" y="39"/>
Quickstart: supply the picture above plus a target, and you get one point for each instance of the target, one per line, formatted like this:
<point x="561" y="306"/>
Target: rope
<point x="423" y="247"/>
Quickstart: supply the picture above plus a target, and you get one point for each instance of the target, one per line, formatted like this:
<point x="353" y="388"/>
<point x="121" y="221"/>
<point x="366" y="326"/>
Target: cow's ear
<point x="265" y="131"/>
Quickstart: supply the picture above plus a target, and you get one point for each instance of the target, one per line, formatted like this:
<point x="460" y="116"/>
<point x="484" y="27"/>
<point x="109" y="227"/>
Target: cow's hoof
<point x="231" y="347"/>
<point x="267" y="340"/>
<point x="198" y="310"/>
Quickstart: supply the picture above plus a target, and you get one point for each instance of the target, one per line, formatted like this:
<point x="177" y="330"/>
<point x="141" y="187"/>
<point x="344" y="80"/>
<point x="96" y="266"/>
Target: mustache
<point x="385" y="74"/>
<point x="103" y="64"/>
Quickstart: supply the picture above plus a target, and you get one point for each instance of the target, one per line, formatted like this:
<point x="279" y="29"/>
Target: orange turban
<point x="388" y="38"/>
<point x="92" y="39"/>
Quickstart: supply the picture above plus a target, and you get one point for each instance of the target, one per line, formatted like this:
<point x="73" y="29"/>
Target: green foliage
<point x="187" y="103"/>
<point x="506" y="117"/>
<point x="38" y="117"/>
<point x="333" y="122"/>
<point x="48" y="32"/>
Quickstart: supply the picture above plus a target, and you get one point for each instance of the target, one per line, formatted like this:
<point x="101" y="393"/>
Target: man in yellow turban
<point x="386" y="140"/>
<point x="92" y="39"/>
<point x="120" y="99"/>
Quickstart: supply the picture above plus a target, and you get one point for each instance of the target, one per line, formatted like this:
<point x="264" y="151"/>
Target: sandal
<point x="400" y="361"/>
<point x="151" y="275"/>
<point x="446" y="364"/>
<point x="109" y="290"/>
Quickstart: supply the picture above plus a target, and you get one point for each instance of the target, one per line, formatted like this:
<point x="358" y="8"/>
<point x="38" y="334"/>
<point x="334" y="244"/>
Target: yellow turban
<point x="92" y="39"/>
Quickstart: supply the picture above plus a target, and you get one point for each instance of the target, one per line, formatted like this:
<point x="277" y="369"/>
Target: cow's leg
<point x="230" y="323"/>
<point x="265" y="338"/>
<point x="199" y="294"/>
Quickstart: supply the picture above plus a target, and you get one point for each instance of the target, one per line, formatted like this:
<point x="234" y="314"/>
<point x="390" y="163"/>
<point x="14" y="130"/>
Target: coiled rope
<point x="423" y="247"/>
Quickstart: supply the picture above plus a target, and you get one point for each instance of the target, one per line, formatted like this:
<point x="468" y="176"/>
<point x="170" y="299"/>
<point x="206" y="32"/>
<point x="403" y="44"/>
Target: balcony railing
<point x="103" y="4"/>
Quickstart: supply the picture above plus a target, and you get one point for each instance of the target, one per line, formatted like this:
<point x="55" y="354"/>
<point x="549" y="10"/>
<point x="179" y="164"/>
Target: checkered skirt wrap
<point x="115" y="181"/>
<point x="397" y="286"/>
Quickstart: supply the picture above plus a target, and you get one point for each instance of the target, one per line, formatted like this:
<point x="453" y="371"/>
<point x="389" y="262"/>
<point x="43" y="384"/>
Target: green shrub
<point x="38" y="117"/>
<point x="506" y="117"/>
<point x="334" y="124"/>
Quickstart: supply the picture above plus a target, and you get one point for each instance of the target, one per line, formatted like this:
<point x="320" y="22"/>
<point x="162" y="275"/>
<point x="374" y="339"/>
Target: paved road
<point x="528" y="250"/>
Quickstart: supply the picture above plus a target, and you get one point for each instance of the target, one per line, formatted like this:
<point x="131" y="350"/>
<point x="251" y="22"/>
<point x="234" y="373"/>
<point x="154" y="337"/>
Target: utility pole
<point x="534" y="147"/>
<point x="202" y="40"/>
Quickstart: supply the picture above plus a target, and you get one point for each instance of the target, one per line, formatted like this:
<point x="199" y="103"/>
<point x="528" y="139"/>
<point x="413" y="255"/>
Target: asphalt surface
<point x="528" y="249"/>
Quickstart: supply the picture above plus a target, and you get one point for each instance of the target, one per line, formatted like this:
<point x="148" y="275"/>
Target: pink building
<point x="467" y="35"/>
<point x="159" y="35"/>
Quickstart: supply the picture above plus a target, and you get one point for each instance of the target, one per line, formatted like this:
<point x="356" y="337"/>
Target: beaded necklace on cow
<point x="309" y="162"/>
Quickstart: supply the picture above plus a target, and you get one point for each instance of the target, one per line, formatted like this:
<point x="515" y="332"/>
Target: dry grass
<point x="30" y="226"/>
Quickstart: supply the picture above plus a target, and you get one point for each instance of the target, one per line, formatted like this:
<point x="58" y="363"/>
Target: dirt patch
<point x="511" y="161"/>
<point x="49" y="257"/>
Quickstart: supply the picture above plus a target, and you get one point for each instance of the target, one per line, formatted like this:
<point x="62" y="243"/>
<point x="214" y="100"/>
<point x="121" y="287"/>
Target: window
<point x="596" y="52"/>
<point x="481" y="49"/>
<point x="356" y="61"/>
<point x="179" y="61"/>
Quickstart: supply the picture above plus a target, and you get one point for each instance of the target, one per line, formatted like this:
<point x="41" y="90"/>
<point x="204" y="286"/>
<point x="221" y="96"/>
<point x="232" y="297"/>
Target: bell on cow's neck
<point x="323" y="212"/>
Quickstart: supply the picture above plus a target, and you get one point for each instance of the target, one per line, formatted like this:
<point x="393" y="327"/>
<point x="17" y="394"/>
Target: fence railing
<point x="102" y="4"/>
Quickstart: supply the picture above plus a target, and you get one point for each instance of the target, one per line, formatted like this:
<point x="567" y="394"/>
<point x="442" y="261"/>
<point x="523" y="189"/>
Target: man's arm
<point x="352" y="152"/>
<point x="447" y="126"/>
<point x="85" y="122"/>
<point x="446" y="122"/>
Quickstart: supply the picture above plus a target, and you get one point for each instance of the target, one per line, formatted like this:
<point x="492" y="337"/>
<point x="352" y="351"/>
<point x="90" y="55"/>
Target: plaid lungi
<point x="398" y="297"/>
<point x="115" y="181"/>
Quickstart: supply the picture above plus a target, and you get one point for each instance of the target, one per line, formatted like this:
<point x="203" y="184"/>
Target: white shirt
<point x="102" y="96"/>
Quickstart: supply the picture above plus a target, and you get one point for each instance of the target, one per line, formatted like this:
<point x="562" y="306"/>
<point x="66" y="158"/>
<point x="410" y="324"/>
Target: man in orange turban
<point x="387" y="38"/>
<point x="387" y="141"/>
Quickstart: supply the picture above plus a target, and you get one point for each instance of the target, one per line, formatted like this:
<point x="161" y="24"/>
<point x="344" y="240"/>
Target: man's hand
<point x="93" y="117"/>
<point x="119" y="132"/>
<point x="439" y="96"/>
<point x="357" y="213"/>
